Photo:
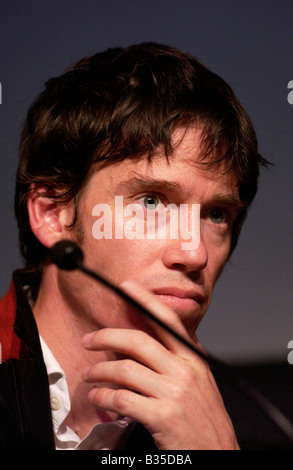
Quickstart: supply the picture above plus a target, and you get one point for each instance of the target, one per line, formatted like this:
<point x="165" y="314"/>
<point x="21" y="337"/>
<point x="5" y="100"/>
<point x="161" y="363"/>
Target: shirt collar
<point x="102" y="436"/>
<point x="59" y="394"/>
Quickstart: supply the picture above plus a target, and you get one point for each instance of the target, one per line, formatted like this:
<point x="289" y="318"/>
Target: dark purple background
<point x="249" y="43"/>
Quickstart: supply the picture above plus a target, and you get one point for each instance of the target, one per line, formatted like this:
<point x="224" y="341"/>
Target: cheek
<point x="120" y="259"/>
<point x="135" y="257"/>
<point x="216" y="264"/>
<point x="218" y="248"/>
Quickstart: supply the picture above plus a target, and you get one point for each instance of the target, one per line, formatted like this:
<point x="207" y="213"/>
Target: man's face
<point x="181" y="278"/>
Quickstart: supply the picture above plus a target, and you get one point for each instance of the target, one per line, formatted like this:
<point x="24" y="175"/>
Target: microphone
<point x="67" y="255"/>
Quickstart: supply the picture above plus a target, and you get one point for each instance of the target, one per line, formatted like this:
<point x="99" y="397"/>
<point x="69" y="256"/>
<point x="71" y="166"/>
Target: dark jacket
<point x="25" y="412"/>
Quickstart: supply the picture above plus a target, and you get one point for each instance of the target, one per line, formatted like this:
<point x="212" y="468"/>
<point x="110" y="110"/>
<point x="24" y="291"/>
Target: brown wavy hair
<point x="124" y="103"/>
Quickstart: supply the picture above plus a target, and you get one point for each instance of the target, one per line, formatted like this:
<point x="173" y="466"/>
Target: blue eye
<point x="217" y="216"/>
<point x="151" y="202"/>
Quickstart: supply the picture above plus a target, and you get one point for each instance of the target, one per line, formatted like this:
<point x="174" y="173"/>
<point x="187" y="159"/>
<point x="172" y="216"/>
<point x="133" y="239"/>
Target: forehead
<point x="183" y="172"/>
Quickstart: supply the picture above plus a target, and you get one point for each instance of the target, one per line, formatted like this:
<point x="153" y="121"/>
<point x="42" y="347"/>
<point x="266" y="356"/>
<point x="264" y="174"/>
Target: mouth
<point x="182" y="301"/>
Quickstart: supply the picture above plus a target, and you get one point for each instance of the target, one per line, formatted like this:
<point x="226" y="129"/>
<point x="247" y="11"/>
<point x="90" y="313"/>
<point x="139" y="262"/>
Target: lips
<point x="179" y="299"/>
<point x="180" y="293"/>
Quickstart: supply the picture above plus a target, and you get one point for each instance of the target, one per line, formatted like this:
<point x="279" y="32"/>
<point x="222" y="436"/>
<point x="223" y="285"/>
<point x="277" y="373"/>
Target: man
<point x="150" y="127"/>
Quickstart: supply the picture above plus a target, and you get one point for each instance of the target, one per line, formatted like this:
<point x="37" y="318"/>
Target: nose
<point x="175" y="257"/>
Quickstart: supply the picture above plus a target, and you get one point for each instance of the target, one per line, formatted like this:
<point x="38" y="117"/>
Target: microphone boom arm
<point x="67" y="255"/>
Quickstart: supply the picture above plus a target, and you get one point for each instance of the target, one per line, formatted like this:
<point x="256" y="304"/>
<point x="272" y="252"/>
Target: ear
<point x="48" y="218"/>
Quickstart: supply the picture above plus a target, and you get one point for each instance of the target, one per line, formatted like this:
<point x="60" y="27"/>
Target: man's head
<point x="126" y="105"/>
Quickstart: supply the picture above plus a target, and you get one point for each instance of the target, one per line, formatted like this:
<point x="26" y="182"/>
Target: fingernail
<point x="86" y="340"/>
<point x="92" y="394"/>
<point x="85" y="372"/>
<point x="129" y="286"/>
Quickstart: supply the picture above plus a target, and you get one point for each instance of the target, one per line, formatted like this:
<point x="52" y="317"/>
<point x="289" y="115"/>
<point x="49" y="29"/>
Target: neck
<point x="62" y="330"/>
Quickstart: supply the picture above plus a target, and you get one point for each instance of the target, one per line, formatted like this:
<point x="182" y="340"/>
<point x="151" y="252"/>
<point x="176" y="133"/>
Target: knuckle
<point x="176" y="392"/>
<point x="125" y="367"/>
<point x="138" y="338"/>
<point x="186" y="381"/>
<point x="121" y="399"/>
<point x="188" y="376"/>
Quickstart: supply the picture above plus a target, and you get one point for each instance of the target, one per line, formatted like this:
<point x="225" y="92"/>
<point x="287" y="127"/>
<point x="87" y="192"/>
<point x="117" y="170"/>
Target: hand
<point x="163" y="385"/>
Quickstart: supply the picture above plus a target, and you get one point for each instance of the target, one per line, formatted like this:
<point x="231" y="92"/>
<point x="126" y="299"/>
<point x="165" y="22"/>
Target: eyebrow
<point x="146" y="183"/>
<point x="139" y="183"/>
<point x="228" y="200"/>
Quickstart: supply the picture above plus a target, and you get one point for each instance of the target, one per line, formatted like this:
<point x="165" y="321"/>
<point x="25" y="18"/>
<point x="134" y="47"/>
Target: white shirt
<point x="103" y="436"/>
